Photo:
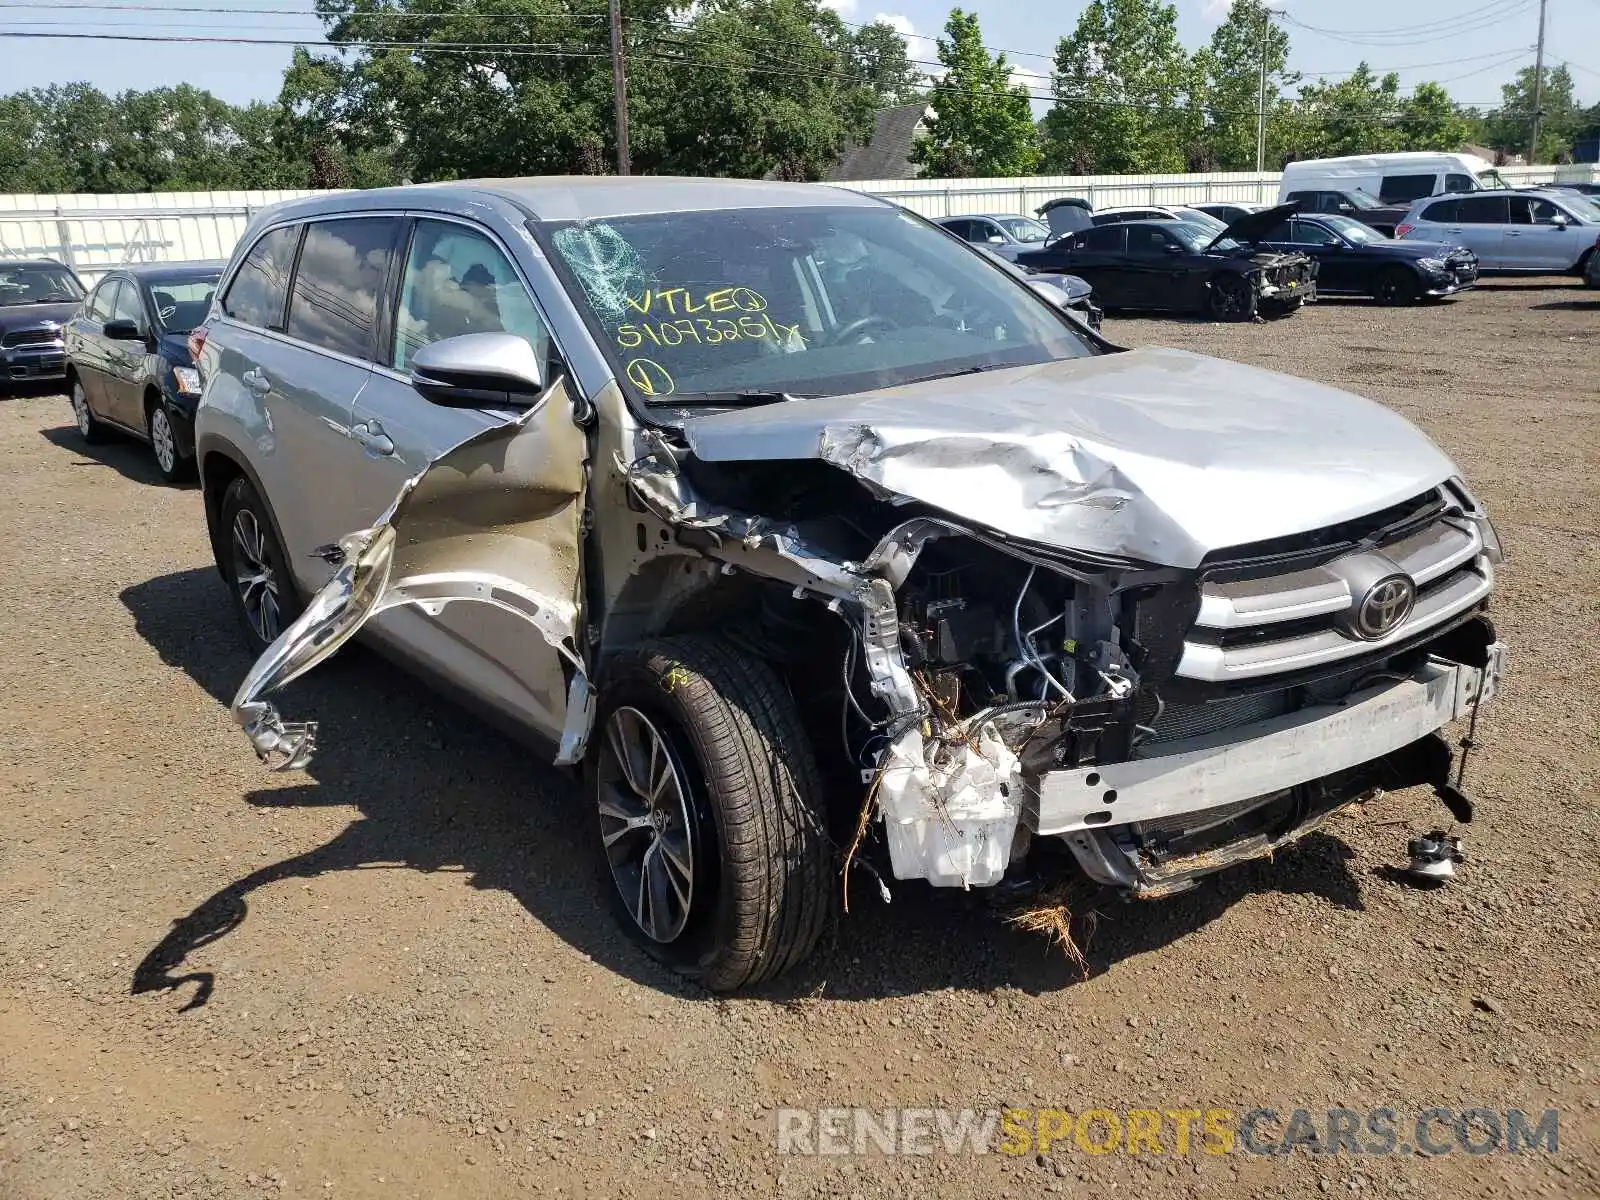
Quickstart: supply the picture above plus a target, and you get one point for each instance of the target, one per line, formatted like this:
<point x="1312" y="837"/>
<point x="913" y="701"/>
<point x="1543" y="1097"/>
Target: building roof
<point x="887" y="154"/>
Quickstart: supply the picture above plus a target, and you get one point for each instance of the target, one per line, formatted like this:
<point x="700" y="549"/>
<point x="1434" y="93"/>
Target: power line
<point x="1456" y="28"/>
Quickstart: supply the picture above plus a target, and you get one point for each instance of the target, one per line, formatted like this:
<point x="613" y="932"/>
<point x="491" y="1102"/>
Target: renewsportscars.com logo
<point x="1164" y="1131"/>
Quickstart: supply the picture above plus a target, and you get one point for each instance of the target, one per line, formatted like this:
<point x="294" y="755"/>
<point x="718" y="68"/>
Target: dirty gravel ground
<point x="398" y="975"/>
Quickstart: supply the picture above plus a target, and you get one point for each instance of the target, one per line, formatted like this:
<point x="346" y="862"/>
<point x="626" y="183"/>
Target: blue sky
<point x="1473" y="55"/>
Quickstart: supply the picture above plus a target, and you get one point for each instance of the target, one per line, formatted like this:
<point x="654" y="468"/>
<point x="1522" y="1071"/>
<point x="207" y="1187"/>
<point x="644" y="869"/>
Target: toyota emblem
<point x="1384" y="606"/>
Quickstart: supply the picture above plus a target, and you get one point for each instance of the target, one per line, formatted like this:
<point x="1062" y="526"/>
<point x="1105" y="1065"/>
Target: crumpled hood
<point x="31" y="316"/>
<point x="1157" y="455"/>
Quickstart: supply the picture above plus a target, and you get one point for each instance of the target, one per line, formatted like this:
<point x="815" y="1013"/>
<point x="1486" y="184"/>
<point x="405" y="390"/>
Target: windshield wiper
<point x="52" y="300"/>
<point x="974" y="369"/>
<point x="749" y="398"/>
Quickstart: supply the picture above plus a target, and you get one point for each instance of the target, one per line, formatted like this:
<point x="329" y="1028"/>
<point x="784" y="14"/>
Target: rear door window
<point x="1443" y="212"/>
<point x="962" y="229"/>
<point x="1112" y="239"/>
<point x="343" y="268"/>
<point x="258" y="291"/>
<point x="1483" y="210"/>
<point x="1402" y="189"/>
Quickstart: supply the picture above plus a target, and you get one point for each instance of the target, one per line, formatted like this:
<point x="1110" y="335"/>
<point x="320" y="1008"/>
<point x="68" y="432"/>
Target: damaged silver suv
<point x="820" y="541"/>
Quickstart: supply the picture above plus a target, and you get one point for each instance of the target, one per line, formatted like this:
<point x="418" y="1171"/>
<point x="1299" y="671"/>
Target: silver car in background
<point x="830" y="550"/>
<point x="1007" y="234"/>
<point x="1526" y="232"/>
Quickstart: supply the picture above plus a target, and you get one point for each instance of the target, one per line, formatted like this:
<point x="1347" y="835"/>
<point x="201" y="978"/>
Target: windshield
<point x="1363" y="201"/>
<point x="1353" y="230"/>
<point x="1491" y="179"/>
<point x="1193" y="216"/>
<point x="38" y="285"/>
<point x="1024" y="229"/>
<point x="1197" y="237"/>
<point x="800" y="301"/>
<point x="1580" y="205"/>
<point x="181" y="304"/>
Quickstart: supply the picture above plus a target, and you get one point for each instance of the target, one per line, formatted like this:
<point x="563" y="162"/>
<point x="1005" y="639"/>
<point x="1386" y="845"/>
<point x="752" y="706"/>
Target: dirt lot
<point x="398" y="975"/>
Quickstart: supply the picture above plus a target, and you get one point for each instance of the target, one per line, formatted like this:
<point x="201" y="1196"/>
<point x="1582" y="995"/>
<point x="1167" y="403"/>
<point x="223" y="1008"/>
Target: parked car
<point x="819" y="544"/>
<point x="1006" y="234"/>
<point x="1382" y="218"/>
<point x="1583" y="189"/>
<point x="129" y="369"/>
<point x="1511" y="231"/>
<point x="1229" y="211"/>
<point x="1068" y="291"/>
<point x="37" y="296"/>
<point x="1174" y="266"/>
<point x="1111" y="216"/>
<point x="1354" y="260"/>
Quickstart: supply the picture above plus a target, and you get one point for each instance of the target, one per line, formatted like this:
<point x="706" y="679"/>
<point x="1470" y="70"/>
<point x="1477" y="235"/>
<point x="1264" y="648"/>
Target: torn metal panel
<point x="1160" y="456"/>
<point x="495" y="521"/>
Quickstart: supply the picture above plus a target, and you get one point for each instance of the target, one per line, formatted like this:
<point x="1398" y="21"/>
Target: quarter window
<point x="257" y="292"/>
<point x="458" y="281"/>
<point x="341" y="273"/>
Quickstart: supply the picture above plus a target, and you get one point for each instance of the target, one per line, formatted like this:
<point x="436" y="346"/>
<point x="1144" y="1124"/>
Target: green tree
<point x="982" y="124"/>
<point x="1429" y="120"/>
<point x="1358" y="115"/>
<point x="1508" y="127"/>
<point x="1228" y="71"/>
<point x="885" y="66"/>
<point x="1122" y="83"/>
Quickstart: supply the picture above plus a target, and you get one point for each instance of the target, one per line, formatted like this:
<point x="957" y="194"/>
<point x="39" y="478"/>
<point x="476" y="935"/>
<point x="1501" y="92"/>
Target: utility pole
<point x="1538" y="91"/>
<point x="1261" y="95"/>
<point x="619" y="84"/>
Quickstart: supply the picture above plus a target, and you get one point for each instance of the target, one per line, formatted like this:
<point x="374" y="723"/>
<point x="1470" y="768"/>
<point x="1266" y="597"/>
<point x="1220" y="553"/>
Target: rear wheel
<point x="1396" y="285"/>
<point x="1232" y="299"/>
<point x="90" y="428"/>
<point x="710" y="808"/>
<point x="263" y="594"/>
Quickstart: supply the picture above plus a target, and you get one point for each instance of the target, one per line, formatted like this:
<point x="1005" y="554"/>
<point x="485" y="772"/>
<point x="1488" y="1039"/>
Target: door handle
<point x="256" y="381"/>
<point x="371" y="435"/>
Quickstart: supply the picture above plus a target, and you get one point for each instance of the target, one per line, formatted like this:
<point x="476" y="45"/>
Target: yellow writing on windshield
<point x="705" y="331"/>
<point x="651" y="378"/>
<point x="673" y="301"/>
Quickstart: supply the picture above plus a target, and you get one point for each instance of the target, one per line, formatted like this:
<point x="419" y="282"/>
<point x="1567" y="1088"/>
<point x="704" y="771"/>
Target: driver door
<point x="1159" y="272"/>
<point x="501" y="519"/>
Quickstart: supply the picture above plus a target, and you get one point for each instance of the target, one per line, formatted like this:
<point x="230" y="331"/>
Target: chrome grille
<point x="1279" y="623"/>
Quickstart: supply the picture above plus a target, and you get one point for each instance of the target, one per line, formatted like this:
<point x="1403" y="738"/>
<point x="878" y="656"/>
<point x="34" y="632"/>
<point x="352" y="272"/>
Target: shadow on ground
<point x="128" y="458"/>
<point x="437" y="790"/>
<point x="1590" y="305"/>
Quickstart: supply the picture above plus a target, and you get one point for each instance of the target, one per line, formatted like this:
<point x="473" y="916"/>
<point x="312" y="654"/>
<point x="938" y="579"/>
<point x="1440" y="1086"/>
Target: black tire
<point x="750" y="790"/>
<point x="235" y="535"/>
<point x="90" y="428"/>
<point x="1584" y="269"/>
<point x="1231" y="298"/>
<point x="1396" y="285"/>
<point x="158" y="427"/>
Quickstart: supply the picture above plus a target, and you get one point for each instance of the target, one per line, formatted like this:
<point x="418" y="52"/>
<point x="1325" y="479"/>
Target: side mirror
<point x="1172" y="249"/>
<point x="1347" y="208"/>
<point x="995" y="239"/>
<point x="123" y="331"/>
<point x="479" y="370"/>
<point x="1050" y="292"/>
<point x="1559" y="220"/>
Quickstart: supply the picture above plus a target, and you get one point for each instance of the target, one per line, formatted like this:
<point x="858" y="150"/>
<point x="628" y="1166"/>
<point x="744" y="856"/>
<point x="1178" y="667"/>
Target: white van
<point x="1396" y="179"/>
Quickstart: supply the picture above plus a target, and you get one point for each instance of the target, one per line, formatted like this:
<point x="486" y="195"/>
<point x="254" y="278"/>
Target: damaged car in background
<point x="1185" y="267"/>
<point x="833" y="555"/>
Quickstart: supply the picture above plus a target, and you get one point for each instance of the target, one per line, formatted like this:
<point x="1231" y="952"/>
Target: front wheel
<point x="710" y="811"/>
<point x="1232" y="299"/>
<point x="170" y="462"/>
<point x="1396" y="286"/>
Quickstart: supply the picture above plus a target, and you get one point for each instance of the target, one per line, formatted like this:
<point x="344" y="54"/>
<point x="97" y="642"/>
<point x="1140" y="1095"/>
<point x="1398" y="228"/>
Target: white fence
<point x="95" y="233"/>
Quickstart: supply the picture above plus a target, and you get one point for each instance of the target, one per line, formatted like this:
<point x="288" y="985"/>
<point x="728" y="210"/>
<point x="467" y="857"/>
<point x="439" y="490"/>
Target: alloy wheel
<point x="162" y="441"/>
<point x="254" y="576"/>
<point x="80" y="408"/>
<point x="645" y="824"/>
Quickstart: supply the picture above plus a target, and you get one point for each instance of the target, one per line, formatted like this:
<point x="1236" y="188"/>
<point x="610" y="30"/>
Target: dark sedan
<point x="1067" y="291"/>
<point x="37" y="297"/>
<point x="128" y="362"/>
<point x="1355" y="260"/>
<point x="1174" y="266"/>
